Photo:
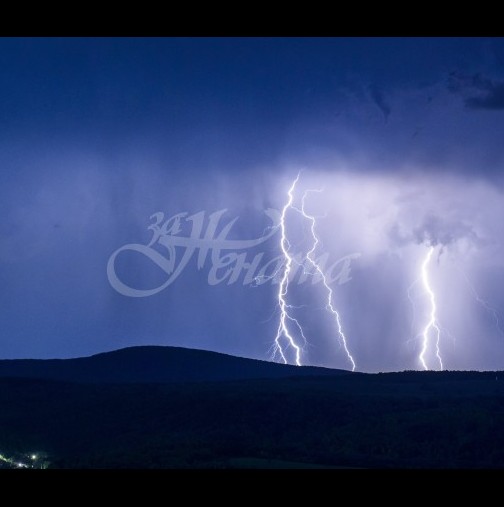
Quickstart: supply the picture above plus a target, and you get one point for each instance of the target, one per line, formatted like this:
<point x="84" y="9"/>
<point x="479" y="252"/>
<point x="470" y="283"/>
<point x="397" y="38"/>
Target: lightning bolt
<point x="285" y="317"/>
<point x="329" y="305"/>
<point x="432" y="325"/>
<point x="287" y="322"/>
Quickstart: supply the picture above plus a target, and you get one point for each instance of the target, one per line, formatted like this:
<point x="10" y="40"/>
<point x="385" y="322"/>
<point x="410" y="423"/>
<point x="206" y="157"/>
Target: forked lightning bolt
<point x="432" y="326"/>
<point x="285" y="318"/>
<point x="287" y="322"/>
<point x="312" y="261"/>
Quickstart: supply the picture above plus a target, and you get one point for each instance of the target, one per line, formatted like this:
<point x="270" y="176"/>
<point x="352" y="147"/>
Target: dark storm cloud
<point x="433" y="230"/>
<point x="379" y="99"/>
<point x="99" y="134"/>
<point x="493" y="99"/>
<point x="479" y="92"/>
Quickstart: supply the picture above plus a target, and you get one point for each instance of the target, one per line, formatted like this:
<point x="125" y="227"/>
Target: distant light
<point x="33" y="457"/>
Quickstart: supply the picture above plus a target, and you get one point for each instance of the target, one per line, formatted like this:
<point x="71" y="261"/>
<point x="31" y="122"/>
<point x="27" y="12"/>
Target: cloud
<point x="493" y="99"/>
<point x="435" y="231"/>
<point x="479" y="92"/>
<point x="379" y="99"/>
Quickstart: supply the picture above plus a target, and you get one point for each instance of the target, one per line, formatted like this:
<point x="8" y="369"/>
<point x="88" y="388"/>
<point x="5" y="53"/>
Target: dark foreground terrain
<point x="215" y="411"/>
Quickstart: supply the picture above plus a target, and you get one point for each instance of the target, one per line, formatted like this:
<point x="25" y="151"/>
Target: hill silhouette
<point x="164" y="407"/>
<point x="155" y="364"/>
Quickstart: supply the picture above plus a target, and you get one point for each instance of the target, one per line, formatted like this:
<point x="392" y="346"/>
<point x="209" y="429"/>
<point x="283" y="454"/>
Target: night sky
<point x="403" y="139"/>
